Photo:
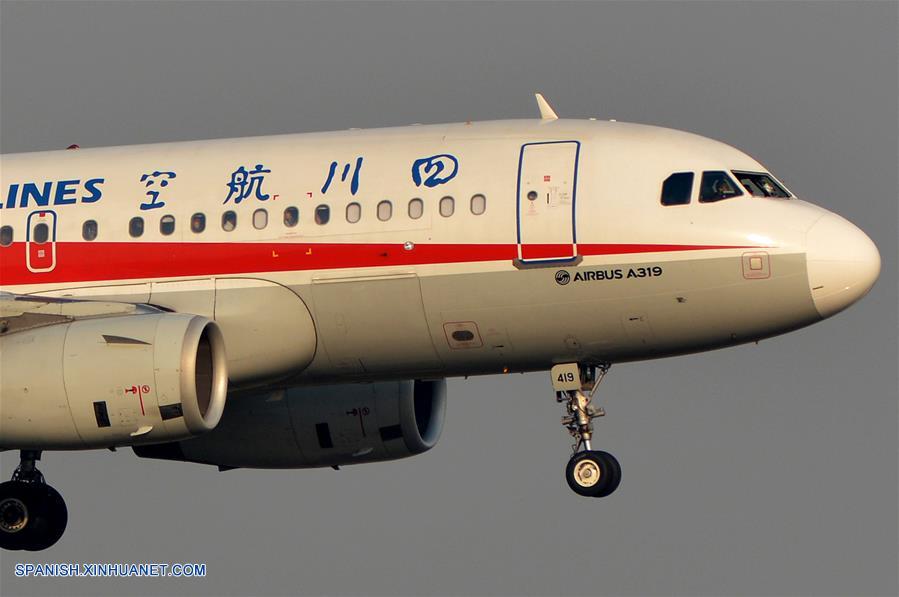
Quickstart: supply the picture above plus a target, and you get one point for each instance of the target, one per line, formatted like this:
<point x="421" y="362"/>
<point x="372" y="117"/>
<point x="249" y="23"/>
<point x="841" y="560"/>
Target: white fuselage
<point x="448" y="249"/>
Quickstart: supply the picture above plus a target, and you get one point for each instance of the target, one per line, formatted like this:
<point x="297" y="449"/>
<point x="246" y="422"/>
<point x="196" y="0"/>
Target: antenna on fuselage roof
<point x="546" y="111"/>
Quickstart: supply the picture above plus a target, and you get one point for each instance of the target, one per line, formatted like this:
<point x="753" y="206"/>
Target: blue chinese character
<point x="244" y="184"/>
<point x="354" y="182"/>
<point x="432" y="169"/>
<point x="154" y="179"/>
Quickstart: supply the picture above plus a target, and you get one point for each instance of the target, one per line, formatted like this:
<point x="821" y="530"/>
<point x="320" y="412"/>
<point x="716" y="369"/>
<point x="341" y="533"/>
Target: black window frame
<point x="163" y="222"/>
<point x="447" y="200"/>
<point x="357" y="208"/>
<point x="665" y="195"/>
<point x="85" y="227"/>
<point x="231" y="216"/>
<point x="295" y="211"/>
<point x="264" y="213"/>
<point x="45" y="232"/>
<point x="136" y="227"/>
<point x="322" y="209"/>
<point x="417" y="201"/>
<point x="472" y="201"/>
<point x="734" y="184"/>
<point x="389" y="204"/>
<point x="198" y="217"/>
<point x="777" y="184"/>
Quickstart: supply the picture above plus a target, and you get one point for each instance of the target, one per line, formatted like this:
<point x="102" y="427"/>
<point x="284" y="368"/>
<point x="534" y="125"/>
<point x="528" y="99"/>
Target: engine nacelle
<point x="95" y="382"/>
<point x="315" y="426"/>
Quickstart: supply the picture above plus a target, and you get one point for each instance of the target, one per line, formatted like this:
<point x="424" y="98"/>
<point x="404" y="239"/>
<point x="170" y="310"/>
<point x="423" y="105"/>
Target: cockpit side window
<point x="716" y="185"/>
<point x="677" y="189"/>
<point x="760" y="184"/>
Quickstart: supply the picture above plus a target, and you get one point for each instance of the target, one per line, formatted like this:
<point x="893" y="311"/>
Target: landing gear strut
<point x="591" y="473"/>
<point x="33" y="515"/>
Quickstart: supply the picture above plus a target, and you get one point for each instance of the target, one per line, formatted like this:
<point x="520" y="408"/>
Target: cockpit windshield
<point x="716" y="185"/>
<point x="760" y="184"/>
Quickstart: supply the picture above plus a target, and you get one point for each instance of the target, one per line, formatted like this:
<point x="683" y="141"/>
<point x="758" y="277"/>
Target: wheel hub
<point x="587" y="473"/>
<point x="13" y="515"/>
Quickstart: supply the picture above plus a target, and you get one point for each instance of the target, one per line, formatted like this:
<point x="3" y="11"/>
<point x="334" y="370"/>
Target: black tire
<point x="588" y="474"/>
<point x="51" y="520"/>
<point x="614" y="473"/>
<point x="33" y="516"/>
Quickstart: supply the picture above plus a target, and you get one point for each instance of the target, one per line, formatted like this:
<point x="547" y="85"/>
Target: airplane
<point x="298" y="301"/>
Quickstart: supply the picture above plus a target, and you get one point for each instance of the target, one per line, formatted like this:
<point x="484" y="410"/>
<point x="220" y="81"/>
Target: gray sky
<point x="758" y="470"/>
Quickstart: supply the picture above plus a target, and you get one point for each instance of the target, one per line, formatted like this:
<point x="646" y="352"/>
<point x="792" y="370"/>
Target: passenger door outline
<point x="559" y="208"/>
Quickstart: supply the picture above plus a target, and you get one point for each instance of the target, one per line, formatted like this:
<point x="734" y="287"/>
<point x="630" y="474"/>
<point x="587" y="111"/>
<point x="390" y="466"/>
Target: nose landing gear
<point x="591" y="473"/>
<point x="33" y="515"/>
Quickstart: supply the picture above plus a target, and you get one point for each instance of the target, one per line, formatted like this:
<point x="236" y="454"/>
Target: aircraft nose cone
<point x="843" y="264"/>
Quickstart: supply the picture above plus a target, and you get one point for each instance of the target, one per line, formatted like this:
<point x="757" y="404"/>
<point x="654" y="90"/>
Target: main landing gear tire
<point x="33" y="516"/>
<point x="593" y="473"/>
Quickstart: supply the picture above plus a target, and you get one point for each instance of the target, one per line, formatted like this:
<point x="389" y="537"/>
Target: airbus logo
<point x="599" y="275"/>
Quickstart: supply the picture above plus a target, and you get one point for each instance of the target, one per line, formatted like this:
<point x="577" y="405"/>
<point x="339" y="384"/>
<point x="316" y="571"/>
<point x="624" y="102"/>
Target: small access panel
<point x="40" y="253"/>
<point x="547" y="187"/>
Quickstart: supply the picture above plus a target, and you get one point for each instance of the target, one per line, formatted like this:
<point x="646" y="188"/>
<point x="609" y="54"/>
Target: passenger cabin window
<point x="385" y="210"/>
<point x="717" y="186"/>
<point x="136" y="227"/>
<point x="167" y="224"/>
<point x="760" y="184"/>
<point x="41" y="233"/>
<point x="5" y="236"/>
<point x="197" y="223"/>
<point x="229" y="221"/>
<point x="322" y="214"/>
<point x="478" y="204"/>
<point x="291" y="217"/>
<point x="89" y="230"/>
<point x="416" y="208"/>
<point x="677" y="189"/>
<point x="447" y="206"/>
<point x="353" y="213"/>
<point x="260" y="219"/>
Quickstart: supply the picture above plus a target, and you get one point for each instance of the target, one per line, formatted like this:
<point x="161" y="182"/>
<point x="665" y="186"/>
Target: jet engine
<point x="315" y="426"/>
<point x="72" y="379"/>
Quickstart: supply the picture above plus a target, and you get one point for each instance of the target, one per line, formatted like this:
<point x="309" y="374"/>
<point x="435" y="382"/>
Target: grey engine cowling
<point x="315" y="426"/>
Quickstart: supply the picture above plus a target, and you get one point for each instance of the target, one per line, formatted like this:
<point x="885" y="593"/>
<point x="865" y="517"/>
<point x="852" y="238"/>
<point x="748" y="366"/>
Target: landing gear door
<point x="547" y="185"/>
<point x="40" y="253"/>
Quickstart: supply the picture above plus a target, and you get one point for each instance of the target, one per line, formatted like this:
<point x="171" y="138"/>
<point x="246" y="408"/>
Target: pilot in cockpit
<point x="723" y="188"/>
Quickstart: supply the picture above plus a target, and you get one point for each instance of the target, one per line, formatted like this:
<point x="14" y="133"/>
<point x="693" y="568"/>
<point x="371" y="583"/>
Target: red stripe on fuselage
<point x="93" y="261"/>
<point x="546" y="252"/>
